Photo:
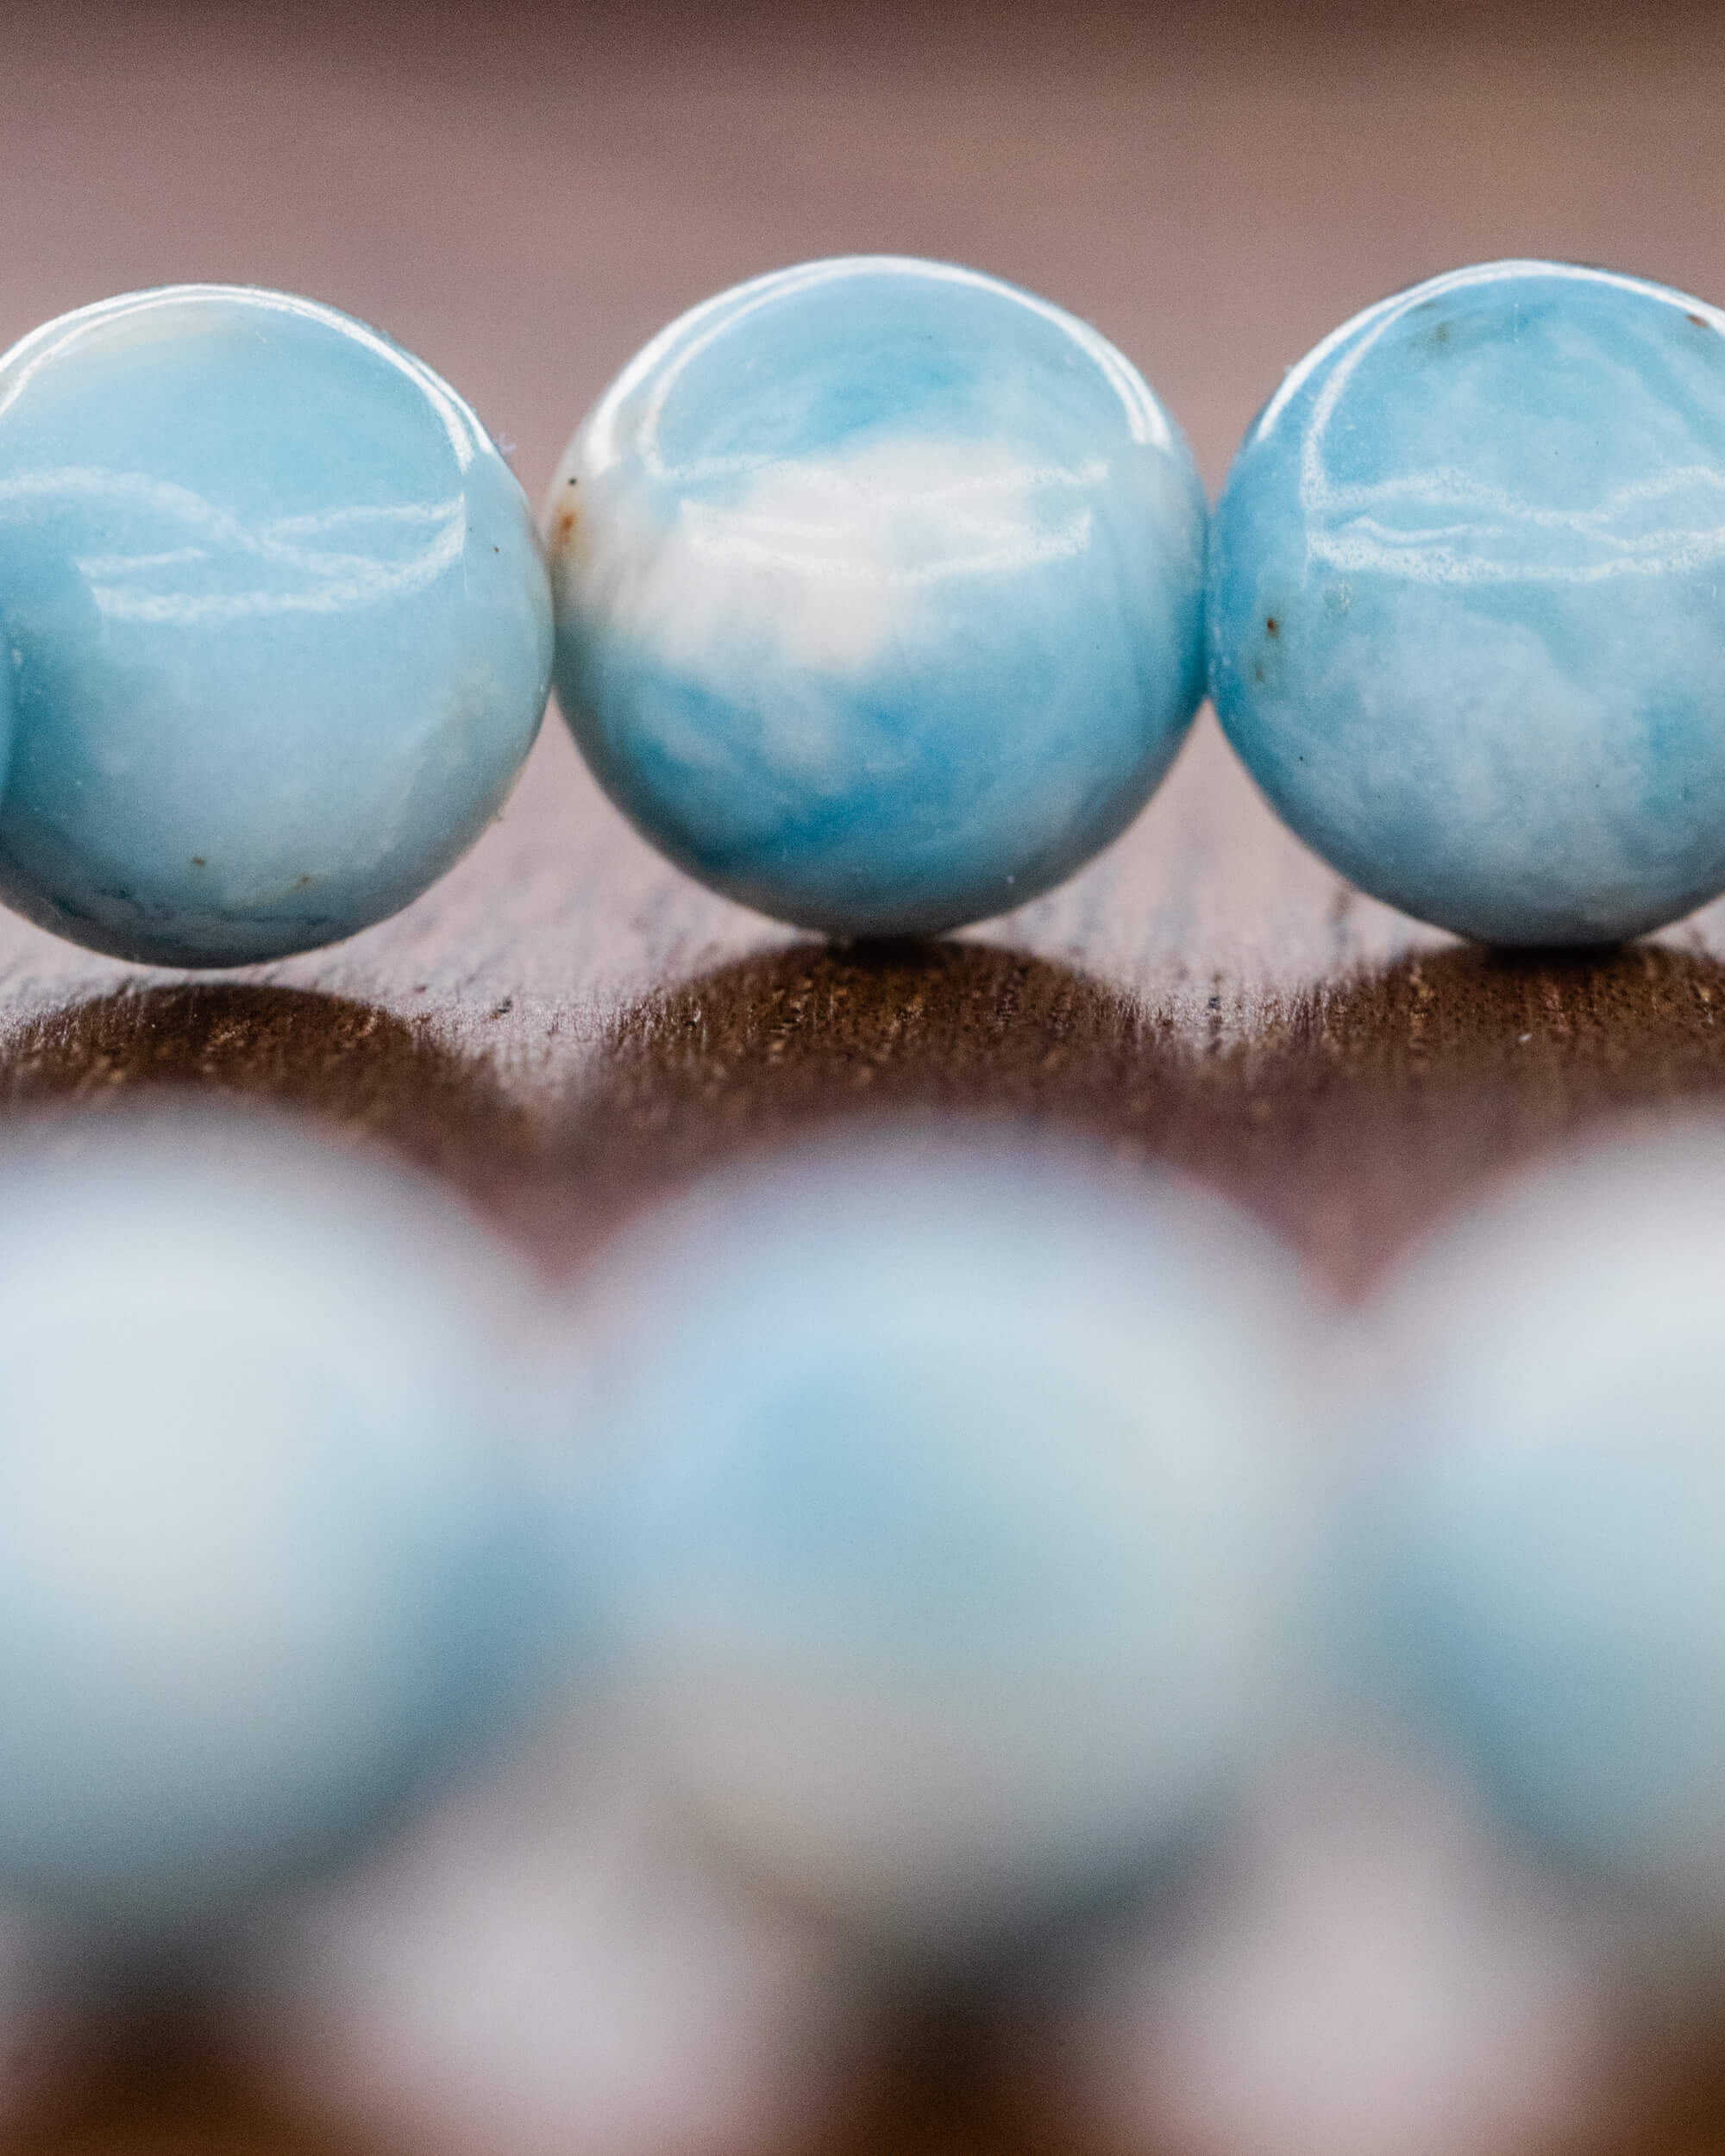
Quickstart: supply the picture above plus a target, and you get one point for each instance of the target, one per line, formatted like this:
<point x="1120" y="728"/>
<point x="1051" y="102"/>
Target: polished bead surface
<point x="6" y="723"/>
<point x="1464" y="613"/>
<point x="1549" y="1546"/>
<point x="270" y="1565"/>
<point x="951" y="1537"/>
<point x="879" y="594"/>
<point x="276" y="620"/>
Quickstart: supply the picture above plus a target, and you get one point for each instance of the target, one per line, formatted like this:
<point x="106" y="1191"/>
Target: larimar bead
<point x="6" y="721"/>
<point x="276" y="621"/>
<point x="879" y="594"/>
<point x="954" y="1537"/>
<point x="270" y="1562"/>
<point x="7" y="724"/>
<point x="1548" y="1545"/>
<point x="1465" y="616"/>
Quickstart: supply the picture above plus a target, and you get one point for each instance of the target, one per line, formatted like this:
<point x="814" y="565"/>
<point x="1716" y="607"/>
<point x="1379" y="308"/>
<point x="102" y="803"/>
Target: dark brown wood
<point x="565" y="1024"/>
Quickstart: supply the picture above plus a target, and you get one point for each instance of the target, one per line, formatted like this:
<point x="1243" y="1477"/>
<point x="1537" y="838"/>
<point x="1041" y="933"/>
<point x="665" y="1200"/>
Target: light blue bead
<point x="269" y="1565"/>
<point x="1554" y="1528"/>
<point x="1466" y="627"/>
<point x="6" y="723"/>
<point x="951" y="1538"/>
<point x="879" y="594"/>
<point x="278" y="622"/>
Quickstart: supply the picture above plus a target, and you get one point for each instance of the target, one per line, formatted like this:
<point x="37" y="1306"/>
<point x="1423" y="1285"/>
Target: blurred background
<point x="523" y="194"/>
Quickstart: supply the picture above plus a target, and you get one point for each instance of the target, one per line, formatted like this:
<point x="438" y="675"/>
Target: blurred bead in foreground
<point x="529" y="1972"/>
<point x="950" y="1540"/>
<point x="1551" y="1561"/>
<point x="268" y="1566"/>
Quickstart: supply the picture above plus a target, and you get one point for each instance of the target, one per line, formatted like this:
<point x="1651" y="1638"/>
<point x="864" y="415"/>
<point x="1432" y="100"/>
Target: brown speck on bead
<point x="199" y="862"/>
<point x="1271" y="626"/>
<point x="1700" y="321"/>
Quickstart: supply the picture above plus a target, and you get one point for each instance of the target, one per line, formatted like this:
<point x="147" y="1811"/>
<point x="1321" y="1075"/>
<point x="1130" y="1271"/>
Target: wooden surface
<point x="566" y="1023"/>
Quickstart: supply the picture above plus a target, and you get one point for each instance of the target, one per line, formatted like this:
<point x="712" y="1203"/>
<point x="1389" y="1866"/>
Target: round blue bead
<point x="950" y="1542"/>
<point x="6" y="721"/>
<point x="276" y="623"/>
<point x="1464" y="605"/>
<point x="1555" y="1524"/>
<point x="268" y="1565"/>
<point x="879" y="594"/>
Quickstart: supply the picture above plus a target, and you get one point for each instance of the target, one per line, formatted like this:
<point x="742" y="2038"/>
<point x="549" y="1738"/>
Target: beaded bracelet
<point x="877" y="600"/>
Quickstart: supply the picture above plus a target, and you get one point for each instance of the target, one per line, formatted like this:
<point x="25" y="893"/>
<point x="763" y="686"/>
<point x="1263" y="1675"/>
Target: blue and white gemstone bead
<point x="953" y="1536"/>
<point x="1464" y="602"/>
<point x="270" y="1562"/>
<point x="276" y="624"/>
<point x="879" y="594"/>
<point x="1548" y="1542"/>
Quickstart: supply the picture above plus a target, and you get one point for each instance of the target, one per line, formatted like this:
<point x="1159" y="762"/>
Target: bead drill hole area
<point x="566" y="1033"/>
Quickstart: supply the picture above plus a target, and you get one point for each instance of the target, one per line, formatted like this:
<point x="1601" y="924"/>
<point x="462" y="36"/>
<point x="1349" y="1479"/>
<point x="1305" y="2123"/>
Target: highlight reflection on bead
<point x="277" y="625"/>
<point x="879" y="593"/>
<point x="1464" y="616"/>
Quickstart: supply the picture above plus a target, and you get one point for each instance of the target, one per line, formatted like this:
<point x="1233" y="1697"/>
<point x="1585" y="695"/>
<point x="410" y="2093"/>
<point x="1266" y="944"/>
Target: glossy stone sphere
<point x="1554" y="1528"/>
<point x="269" y="1564"/>
<point x="5" y="723"/>
<point x="950" y="1540"/>
<point x="879" y="594"/>
<point x="1464" y="620"/>
<point x="276" y="622"/>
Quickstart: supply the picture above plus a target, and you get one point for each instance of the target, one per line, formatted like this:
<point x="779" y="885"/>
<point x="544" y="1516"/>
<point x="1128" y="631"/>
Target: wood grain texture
<point x="565" y="1023"/>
